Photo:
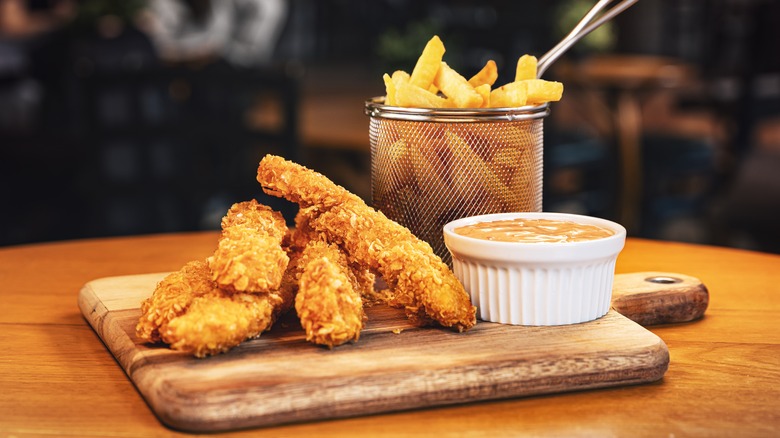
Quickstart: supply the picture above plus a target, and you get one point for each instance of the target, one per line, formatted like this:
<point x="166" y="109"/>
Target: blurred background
<point x="147" y="116"/>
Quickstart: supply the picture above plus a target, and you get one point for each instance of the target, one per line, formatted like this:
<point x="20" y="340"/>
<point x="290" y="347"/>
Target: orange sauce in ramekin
<point x="533" y="231"/>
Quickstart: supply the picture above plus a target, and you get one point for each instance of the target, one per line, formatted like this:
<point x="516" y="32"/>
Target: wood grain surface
<point x="652" y="297"/>
<point x="281" y="378"/>
<point x="59" y="379"/>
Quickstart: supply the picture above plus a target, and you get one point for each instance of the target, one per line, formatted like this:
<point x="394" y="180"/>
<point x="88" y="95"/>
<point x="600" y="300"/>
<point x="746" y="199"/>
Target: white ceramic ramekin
<point x="536" y="283"/>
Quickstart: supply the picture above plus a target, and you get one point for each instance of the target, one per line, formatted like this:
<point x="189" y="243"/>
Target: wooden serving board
<point x="281" y="378"/>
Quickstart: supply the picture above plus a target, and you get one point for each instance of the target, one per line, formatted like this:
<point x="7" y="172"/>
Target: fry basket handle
<point x="588" y="24"/>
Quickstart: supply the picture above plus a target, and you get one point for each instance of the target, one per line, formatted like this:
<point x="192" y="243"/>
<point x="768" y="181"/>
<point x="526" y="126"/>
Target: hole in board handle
<point x="663" y="280"/>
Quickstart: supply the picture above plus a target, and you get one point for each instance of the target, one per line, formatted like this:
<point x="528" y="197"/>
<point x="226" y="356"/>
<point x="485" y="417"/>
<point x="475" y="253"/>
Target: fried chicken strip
<point x="328" y="303"/>
<point x="304" y="233"/>
<point x="249" y="255"/>
<point x="220" y="320"/>
<point x="171" y="298"/>
<point x="188" y="311"/>
<point x="300" y="185"/>
<point x="423" y="284"/>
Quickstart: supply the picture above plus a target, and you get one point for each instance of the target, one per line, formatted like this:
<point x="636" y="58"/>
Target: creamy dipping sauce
<point x="533" y="231"/>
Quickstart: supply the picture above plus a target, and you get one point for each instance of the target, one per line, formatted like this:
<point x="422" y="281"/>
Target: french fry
<point x="456" y="88"/>
<point x="487" y="75"/>
<point x="526" y="68"/>
<point x="392" y="158"/>
<point x="471" y="175"/>
<point x="428" y="63"/>
<point x="463" y="183"/>
<point x="409" y="95"/>
<point x="398" y="162"/>
<point x="432" y="75"/>
<point x="484" y="91"/>
<point x="400" y="76"/>
<point x="507" y="137"/>
<point x="389" y="89"/>
<point x="426" y="167"/>
<point x="432" y="190"/>
<point x="513" y="94"/>
<point x="540" y="91"/>
<point x="508" y="157"/>
<point x="522" y="182"/>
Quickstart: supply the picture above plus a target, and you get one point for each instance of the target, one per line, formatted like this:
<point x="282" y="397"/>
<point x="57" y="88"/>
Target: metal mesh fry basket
<point x="429" y="167"/>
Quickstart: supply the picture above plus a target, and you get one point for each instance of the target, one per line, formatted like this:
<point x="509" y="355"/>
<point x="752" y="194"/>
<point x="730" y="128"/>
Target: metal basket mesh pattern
<point x="425" y="174"/>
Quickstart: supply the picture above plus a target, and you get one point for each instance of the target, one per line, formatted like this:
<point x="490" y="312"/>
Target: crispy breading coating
<point x="190" y="313"/>
<point x="220" y="320"/>
<point x="171" y="298"/>
<point x="328" y="303"/>
<point x="423" y="284"/>
<point x="249" y="255"/>
<point x="304" y="233"/>
<point x="420" y="281"/>
<point x="300" y="185"/>
<point x="365" y="283"/>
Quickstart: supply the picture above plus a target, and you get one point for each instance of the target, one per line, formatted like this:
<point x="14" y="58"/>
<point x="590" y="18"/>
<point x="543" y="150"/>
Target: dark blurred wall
<point x="49" y="147"/>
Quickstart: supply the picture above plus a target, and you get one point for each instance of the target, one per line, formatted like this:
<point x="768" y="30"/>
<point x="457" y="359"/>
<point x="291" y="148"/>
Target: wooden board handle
<point x="650" y="298"/>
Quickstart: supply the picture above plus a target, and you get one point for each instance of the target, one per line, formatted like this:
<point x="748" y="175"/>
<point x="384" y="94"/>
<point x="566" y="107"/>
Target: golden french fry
<point x="432" y="75"/>
<point x="461" y="157"/>
<point x="456" y="88"/>
<point x="428" y="63"/>
<point x="393" y="158"/>
<point x="409" y="95"/>
<point x="508" y="157"/>
<point x="540" y="91"/>
<point x="526" y="68"/>
<point x="487" y="75"/>
<point x="523" y="181"/>
<point x="471" y="175"/>
<point x="508" y="136"/>
<point x="389" y="89"/>
<point x="400" y="76"/>
<point x="397" y="175"/>
<point x="511" y="95"/>
<point x="484" y="91"/>
<point x="432" y="190"/>
<point x="398" y="162"/>
<point x="427" y="169"/>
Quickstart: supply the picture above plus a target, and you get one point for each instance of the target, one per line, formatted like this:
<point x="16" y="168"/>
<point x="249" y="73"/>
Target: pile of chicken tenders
<point x="325" y="267"/>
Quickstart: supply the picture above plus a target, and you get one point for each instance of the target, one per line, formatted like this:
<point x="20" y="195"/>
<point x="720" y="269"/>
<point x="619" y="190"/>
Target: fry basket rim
<point x="376" y="108"/>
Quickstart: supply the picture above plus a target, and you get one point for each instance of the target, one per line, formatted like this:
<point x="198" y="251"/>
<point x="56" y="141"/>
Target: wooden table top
<point x="58" y="379"/>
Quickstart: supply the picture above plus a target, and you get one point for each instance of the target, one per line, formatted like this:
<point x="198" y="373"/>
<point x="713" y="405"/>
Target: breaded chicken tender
<point x="218" y="321"/>
<point x="188" y="311"/>
<point x="420" y="281"/>
<point x="249" y="255"/>
<point x="328" y="303"/>
<point x="300" y="185"/>
<point x="171" y="298"/>
<point x="304" y="233"/>
<point x="423" y="284"/>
